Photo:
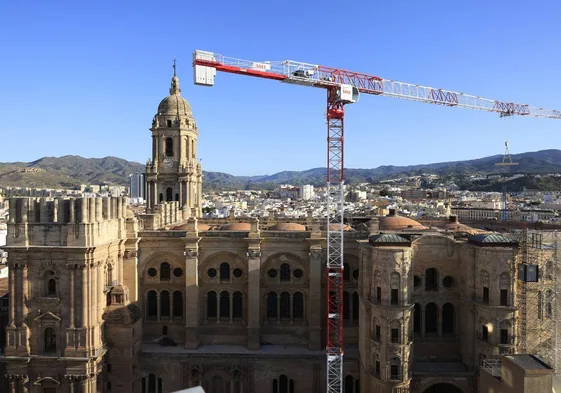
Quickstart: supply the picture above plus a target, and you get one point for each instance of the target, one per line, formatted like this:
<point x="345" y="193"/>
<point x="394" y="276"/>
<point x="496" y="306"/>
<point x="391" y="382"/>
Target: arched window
<point x="485" y="282"/>
<point x="298" y="305"/>
<point x="356" y="307"/>
<point x="417" y="321"/>
<point x="169" y="147"/>
<point x="431" y="319"/>
<point x="51" y="287"/>
<point x="285" y="305"/>
<point x="165" y="272"/>
<point x="504" y="285"/>
<point x="192" y="148"/>
<point x="187" y="147"/>
<point x="178" y="304"/>
<point x="217" y="384"/>
<point x="50" y="340"/>
<point x="395" y="369"/>
<point x="224" y="305"/>
<point x="238" y="305"/>
<point x="169" y="194"/>
<point x="285" y="272"/>
<point x="211" y="309"/>
<point x="346" y="306"/>
<point x="160" y="198"/>
<point x="394" y="287"/>
<point x="431" y="279"/>
<point x="152" y="304"/>
<point x="505" y="337"/>
<point x="272" y="305"/>
<point x="346" y="273"/>
<point x="348" y="384"/>
<point x="152" y="384"/>
<point x="177" y="196"/>
<point x="283" y="385"/>
<point x="224" y="272"/>
<point x="395" y="332"/>
<point x="164" y="304"/>
<point x="448" y="318"/>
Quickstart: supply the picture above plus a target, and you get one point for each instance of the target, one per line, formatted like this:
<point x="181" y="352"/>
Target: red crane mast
<point x="344" y="87"/>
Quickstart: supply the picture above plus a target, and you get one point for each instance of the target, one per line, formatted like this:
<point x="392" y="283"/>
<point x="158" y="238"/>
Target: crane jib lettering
<point x="262" y="66"/>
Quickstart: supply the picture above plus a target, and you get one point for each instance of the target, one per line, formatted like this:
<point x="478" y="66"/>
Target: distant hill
<point x="71" y="171"/>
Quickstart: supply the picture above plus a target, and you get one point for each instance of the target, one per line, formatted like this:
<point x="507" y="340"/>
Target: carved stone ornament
<point x="190" y="253"/>
<point x="283" y="258"/>
<point x="253" y="254"/>
<point x="47" y="265"/>
<point x="315" y="254"/>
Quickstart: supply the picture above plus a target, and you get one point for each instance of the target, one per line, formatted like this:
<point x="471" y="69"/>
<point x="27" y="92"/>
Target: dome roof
<point x="237" y="226"/>
<point x="493" y="239"/>
<point x="174" y="104"/>
<point x="287" y="226"/>
<point x="454" y="225"/>
<point x="394" y="222"/>
<point x="388" y="239"/>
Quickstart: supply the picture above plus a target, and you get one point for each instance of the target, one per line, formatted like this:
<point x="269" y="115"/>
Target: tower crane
<point x="344" y="87"/>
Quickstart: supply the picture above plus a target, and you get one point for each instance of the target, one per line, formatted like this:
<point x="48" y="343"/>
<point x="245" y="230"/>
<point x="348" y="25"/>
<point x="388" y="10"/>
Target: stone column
<point x="192" y="310"/>
<point x="181" y="193"/>
<point x="84" y="295"/>
<point x="25" y="386"/>
<point x="12" y="286"/>
<point x="154" y="147"/>
<point x="21" y="301"/>
<point x="12" y="385"/>
<point x="71" y="269"/>
<point x="315" y="306"/>
<point x="423" y="323"/>
<point x="159" y="308"/>
<point x="231" y="306"/>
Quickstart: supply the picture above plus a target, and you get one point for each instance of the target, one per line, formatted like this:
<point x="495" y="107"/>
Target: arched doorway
<point x="443" y="388"/>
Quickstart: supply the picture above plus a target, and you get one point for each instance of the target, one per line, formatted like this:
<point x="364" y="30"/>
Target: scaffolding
<point x="538" y="285"/>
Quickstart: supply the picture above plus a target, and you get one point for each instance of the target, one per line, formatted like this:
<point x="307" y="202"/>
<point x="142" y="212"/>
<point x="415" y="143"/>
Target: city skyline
<point x="88" y="85"/>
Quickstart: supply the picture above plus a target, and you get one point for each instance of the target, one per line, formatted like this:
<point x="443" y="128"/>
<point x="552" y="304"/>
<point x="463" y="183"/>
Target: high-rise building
<point x="137" y="185"/>
<point x="306" y="192"/>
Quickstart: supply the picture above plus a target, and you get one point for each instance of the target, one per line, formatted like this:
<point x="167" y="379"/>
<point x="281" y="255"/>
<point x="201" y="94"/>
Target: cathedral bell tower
<point x="174" y="173"/>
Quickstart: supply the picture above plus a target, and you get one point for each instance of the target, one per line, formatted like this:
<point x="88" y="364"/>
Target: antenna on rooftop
<point x="507" y="159"/>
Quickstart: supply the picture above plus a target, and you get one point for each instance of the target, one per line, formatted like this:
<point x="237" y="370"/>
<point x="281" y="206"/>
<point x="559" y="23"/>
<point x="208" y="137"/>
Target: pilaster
<point x="315" y="299"/>
<point x="192" y="309"/>
<point x="254" y="287"/>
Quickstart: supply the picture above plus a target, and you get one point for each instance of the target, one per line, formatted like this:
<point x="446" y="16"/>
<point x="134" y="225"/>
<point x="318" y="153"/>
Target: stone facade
<point x="103" y="301"/>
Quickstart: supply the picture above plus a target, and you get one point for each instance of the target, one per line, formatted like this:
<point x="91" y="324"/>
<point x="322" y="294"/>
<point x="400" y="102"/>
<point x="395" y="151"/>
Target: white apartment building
<point x="306" y="192"/>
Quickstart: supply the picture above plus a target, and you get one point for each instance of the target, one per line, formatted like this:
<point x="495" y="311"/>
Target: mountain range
<point x="71" y="171"/>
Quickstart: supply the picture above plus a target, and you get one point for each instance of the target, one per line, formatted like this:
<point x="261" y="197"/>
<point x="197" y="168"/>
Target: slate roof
<point x="388" y="239"/>
<point x="493" y="239"/>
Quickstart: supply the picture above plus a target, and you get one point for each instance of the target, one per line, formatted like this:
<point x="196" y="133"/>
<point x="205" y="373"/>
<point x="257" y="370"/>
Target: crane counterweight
<point x="344" y="87"/>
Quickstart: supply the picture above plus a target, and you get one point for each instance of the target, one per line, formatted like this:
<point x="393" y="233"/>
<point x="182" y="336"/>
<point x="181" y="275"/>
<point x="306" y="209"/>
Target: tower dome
<point x="174" y="104"/>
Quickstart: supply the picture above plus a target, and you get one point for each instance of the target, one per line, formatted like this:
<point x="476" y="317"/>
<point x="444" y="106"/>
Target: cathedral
<point x="105" y="300"/>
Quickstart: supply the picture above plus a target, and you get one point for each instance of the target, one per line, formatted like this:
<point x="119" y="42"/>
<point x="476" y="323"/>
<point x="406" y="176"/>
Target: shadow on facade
<point x="443" y="388"/>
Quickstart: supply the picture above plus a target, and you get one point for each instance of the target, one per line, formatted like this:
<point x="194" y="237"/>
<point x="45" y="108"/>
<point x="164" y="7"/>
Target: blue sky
<point x="85" y="78"/>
